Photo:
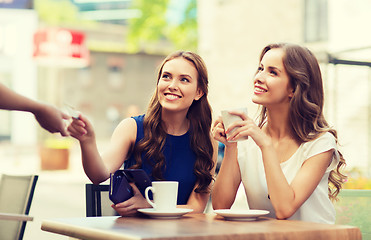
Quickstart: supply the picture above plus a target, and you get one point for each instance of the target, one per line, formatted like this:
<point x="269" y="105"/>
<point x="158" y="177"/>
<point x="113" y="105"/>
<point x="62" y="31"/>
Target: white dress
<point x="317" y="208"/>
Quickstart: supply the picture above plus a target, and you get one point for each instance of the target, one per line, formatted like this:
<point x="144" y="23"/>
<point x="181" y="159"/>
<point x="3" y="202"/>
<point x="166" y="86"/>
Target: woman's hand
<point x="247" y="128"/>
<point x="81" y="129"/>
<point x="130" y="207"/>
<point x="218" y="131"/>
<point x="51" y="119"/>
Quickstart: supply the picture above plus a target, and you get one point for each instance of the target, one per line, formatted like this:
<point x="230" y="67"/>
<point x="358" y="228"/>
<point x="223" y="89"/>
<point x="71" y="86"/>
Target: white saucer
<point x="177" y="213"/>
<point x="241" y="215"/>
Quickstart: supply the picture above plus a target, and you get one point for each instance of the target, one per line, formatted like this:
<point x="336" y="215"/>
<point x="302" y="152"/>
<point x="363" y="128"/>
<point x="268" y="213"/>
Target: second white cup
<point x="229" y="119"/>
<point x="165" y="195"/>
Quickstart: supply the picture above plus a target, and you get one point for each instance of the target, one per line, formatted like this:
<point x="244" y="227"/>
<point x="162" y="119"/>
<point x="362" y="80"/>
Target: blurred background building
<point x="232" y="34"/>
<point x="101" y="57"/>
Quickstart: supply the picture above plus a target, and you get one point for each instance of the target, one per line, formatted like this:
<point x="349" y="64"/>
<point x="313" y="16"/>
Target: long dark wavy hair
<point x="306" y="105"/>
<point x="199" y="115"/>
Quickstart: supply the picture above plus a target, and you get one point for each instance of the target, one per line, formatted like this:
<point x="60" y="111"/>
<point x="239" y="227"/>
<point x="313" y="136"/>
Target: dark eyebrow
<point x="274" y="68"/>
<point x="186" y="75"/>
<point x="165" y="72"/>
<point x="181" y="75"/>
<point x="271" y="67"/>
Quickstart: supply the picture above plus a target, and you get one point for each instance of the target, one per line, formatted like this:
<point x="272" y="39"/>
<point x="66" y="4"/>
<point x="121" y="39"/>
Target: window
<point x="315" y="20"/>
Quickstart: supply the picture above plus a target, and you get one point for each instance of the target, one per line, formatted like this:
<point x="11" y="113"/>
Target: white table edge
<point x="66" y="229"/>
<point x="15" y="217"/>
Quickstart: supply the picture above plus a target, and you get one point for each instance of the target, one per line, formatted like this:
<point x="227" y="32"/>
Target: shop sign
<point x="61" y="47"/>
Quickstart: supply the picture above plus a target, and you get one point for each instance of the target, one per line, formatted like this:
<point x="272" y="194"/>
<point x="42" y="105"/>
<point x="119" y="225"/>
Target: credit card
<point x="72" y="112"/>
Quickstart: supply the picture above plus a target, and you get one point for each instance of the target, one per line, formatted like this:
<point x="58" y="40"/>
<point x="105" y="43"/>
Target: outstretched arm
<point x="49" y="117"/>
<point x="98" y="167"/>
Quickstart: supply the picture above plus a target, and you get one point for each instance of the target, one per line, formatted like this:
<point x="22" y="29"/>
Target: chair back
<point x="354" y="208"/>
<point x="97" y="200"/>
<point x="16" y="193"/>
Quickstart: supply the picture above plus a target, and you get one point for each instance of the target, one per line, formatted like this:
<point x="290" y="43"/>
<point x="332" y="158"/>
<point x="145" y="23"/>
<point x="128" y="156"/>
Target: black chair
<point x="97" y="200"/>
<point x="16" y="194"/>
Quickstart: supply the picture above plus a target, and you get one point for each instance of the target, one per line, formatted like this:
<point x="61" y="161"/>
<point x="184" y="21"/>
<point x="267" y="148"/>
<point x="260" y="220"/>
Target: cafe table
<point x="195" y="226"/>
<point x="15" y="217"/>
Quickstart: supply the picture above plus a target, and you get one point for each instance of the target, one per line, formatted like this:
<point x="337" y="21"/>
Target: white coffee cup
<point x="165" y="194"/>
<point x="229" y="119"/>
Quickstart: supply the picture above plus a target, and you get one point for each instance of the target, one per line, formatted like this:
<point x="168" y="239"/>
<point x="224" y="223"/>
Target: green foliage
<point x="57" y="12"/>
<point x="185" y="36"/>
<point x="153" y="27"/>
<point x="149" y="27"/>
<point x="152" y="32"/>
<point x="353" y="208"/>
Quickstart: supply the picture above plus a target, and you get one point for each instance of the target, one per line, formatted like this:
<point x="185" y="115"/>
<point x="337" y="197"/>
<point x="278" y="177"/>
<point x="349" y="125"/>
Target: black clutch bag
<point x="120" y="189"/>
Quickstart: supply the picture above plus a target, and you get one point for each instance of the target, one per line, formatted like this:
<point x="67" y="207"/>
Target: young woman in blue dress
<point x="172" y="141"/>
<point x="288" y="162"/>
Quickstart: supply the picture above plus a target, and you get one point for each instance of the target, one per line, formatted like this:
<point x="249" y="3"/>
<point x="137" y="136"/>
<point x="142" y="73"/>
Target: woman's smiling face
<point x="271" y="82"/>
<point x="177" y="87"/>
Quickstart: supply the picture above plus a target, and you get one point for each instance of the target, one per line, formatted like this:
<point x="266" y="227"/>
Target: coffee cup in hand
<point x="229" y="119"/>
<point x="165" y="194"/>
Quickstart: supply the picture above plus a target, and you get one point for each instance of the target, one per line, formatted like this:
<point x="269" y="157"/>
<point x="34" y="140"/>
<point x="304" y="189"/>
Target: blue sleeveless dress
<point x="179" y="160"/>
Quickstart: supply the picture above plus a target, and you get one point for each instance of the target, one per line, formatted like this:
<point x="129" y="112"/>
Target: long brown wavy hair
<point x="199" y="115"/>
<point x="306" y="105"/>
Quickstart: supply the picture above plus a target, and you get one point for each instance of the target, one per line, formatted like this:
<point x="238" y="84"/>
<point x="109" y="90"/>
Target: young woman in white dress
<point x="288" y="162"/>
